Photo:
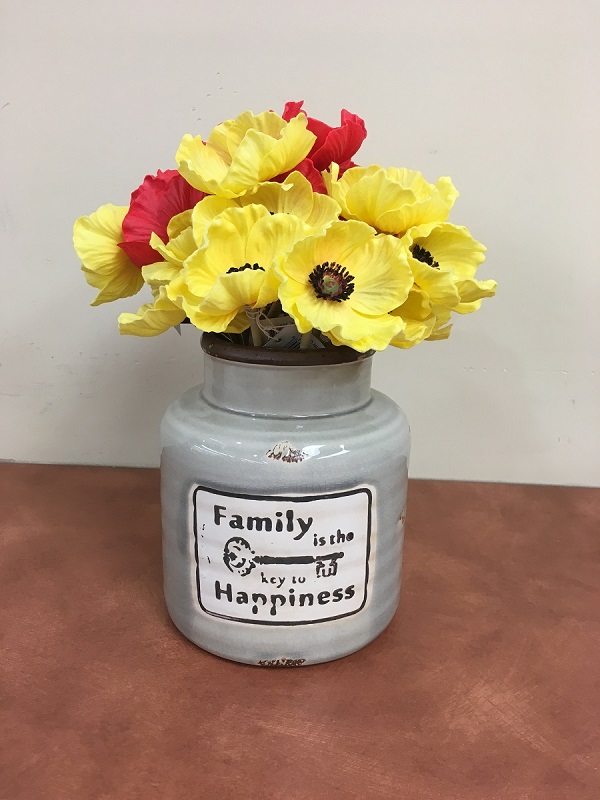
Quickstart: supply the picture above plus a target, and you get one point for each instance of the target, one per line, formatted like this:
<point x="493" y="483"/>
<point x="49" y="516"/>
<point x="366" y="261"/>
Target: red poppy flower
<point x="333" y="144"/>
<point x="153" y="204"/>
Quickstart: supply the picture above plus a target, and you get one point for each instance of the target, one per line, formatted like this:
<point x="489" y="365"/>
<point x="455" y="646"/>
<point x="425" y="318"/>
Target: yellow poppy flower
<point x="105" y="266"/>
<point x="391" y="200"/>
<point x="344" y="283"/>
<point x="233" y="270"/>
<point x="152" y="318"/>
<point x="243" y="152"/>
<point x="444" y="259"/>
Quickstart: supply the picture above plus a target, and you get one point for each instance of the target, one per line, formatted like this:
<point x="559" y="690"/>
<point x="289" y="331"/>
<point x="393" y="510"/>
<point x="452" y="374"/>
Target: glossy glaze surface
<point x="283" y="447"/>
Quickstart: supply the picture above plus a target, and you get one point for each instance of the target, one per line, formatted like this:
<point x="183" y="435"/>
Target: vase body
<point x="283" y="490"/>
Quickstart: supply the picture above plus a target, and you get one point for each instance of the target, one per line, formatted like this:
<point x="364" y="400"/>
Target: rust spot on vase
<point x="283" y="451"/>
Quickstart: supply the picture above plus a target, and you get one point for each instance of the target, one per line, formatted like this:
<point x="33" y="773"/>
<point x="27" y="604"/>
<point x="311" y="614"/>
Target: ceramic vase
<point x="283" y="490"/>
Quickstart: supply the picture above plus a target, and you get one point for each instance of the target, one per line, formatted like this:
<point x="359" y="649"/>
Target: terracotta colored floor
<point x="486" y="686"/>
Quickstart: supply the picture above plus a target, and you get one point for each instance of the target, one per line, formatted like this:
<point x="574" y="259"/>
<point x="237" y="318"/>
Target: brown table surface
<point x="486" y="685"/>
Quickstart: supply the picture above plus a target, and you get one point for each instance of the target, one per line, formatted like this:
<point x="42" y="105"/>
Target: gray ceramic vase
<point x="283" y="486"/>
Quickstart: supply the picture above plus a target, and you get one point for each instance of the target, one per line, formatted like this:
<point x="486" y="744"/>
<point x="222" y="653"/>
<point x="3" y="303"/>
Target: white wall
<point x="501" y="96"/>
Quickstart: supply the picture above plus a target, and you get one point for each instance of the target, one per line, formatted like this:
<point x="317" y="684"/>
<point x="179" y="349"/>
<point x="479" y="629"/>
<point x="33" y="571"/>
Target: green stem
<point x="257" y="337"/>
<point x="305" y="340"/>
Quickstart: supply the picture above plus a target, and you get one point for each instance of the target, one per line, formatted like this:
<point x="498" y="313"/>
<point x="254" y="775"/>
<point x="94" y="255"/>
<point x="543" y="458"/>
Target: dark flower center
<point x="331" y="281"/>
<point x="421" y="254"/>
<point x="246" y="266"/>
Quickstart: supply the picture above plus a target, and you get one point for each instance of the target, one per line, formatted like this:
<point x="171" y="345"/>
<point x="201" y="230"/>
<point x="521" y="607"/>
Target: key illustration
<point x="240" y="557"/>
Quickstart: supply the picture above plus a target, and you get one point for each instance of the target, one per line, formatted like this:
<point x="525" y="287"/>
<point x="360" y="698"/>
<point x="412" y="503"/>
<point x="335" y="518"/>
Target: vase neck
<point x="286" y="391"/>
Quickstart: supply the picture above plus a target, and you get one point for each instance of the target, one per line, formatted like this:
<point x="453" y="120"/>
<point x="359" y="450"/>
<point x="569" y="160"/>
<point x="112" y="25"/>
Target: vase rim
<point x="215" y="345"/>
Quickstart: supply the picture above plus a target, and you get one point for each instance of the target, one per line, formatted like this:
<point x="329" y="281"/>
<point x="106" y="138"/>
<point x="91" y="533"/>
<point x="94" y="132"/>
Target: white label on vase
<point x="291" y="560"/>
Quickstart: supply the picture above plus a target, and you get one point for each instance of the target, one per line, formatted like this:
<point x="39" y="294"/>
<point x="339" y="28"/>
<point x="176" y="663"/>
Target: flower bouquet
<point x="284" y="477"/>
<point x="270" y="234"/>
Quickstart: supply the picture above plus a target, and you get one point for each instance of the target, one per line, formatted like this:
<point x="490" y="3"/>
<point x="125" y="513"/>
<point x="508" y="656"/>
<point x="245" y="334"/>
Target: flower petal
<point x="159" y="274"/>
<point x="295" y="196"/>
<point x="230" y="294"/>
<point x="419" y="317"/>
<point x="471" y="294"/>
<point x="179" y="223"/>
<point x="202" y="166"/>
<point x="441" y="329"/>
<point x="179" y="292"/>
<point x="340" y="143"/>
<point x="152" y="318"/>
<point x="382" y="275"/>
<point x="176" y="250"/>
<point x="273" y="237"/>
<point x="160" y="198"/>
<point x="439" y="284"/>
<point x="377" y="333"/>
<point x="207" y="210"/>
<point x="311" y="173"/>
